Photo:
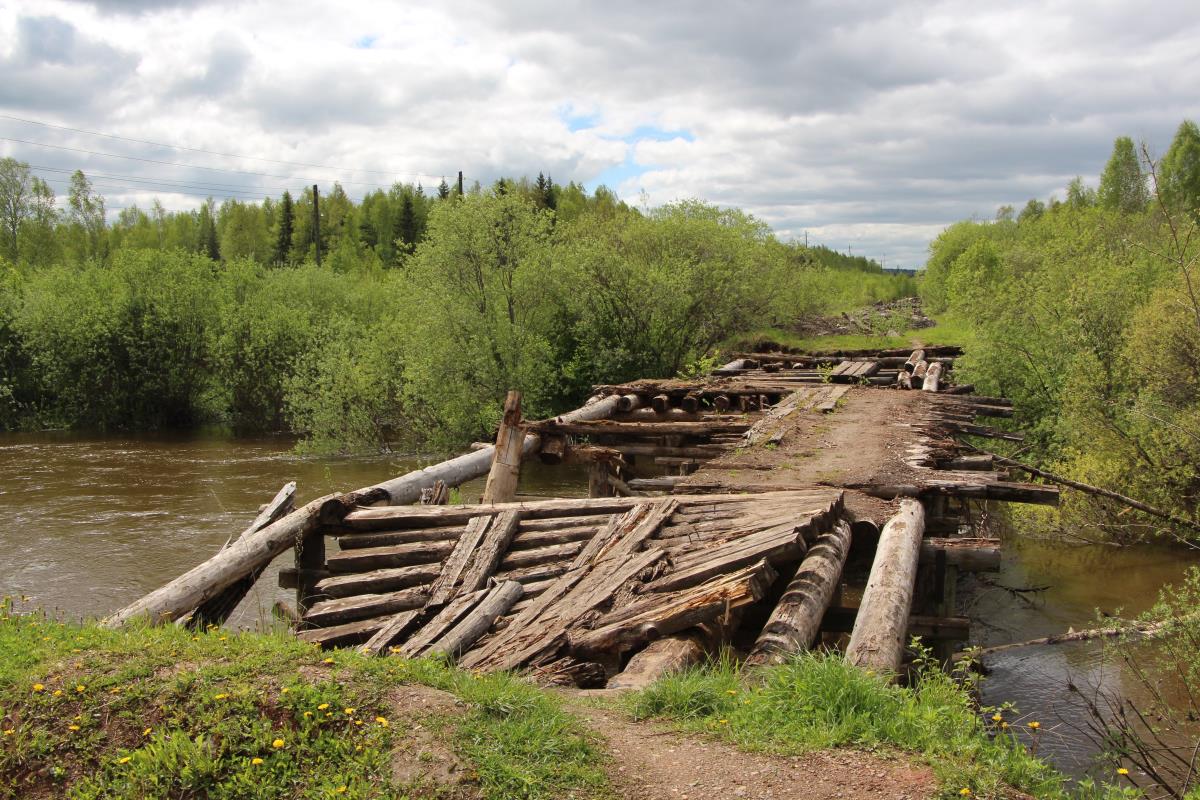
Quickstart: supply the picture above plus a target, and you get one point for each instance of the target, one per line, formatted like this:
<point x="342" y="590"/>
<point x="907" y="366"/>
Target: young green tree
<point x="208" y="243"/>
<point x="16" y="202"/>
<point x="1179" y="171"/>
<point x="1123" y="184"/>
<point x="85" y="218"/>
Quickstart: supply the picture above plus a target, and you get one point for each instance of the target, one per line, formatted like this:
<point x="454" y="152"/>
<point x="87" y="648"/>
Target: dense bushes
<point x="1086" y="316"/>
<point x="499" y="292"/>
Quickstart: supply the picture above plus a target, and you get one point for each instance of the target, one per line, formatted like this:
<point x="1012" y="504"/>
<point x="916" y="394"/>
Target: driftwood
<point x="216" y="610"/>
<point x="796" y="620"/>
<point x="240" y="559"/>
<point x="877" y="641"/>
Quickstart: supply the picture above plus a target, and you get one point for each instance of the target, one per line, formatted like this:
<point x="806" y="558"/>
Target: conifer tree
<point x="406" y="225"/>
<point x="443" y="190"/>
<point x="283" y="235"/>
<point x="550" y="194"/>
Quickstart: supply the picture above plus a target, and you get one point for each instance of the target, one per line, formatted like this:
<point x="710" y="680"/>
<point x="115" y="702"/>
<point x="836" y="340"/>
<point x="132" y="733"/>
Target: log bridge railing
<point x="650" y="572"/>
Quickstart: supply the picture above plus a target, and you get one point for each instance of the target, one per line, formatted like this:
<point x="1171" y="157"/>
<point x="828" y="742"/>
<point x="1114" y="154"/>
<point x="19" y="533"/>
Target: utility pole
<point x="460" y="188"/>
<point x="317" y="222"/>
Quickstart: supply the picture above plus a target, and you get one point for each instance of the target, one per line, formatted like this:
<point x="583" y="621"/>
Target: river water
<point x="92" y="523"/>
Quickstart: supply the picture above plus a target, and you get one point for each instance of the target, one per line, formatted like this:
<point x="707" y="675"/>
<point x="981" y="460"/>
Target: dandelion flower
<point x="328" y="660"/>
<point x="147" y="731"/>
<point x="58" y="692"/>
<point x="284" y="690"/>
<point x="278" y="743"/>
<point x="382" y="721"/>
<point x="393" y="649"/>
<point x="80" y="687"/>
<point x="723" y="721"/>
<point x="9" y="731"/>
<point x="341" y="790"/>
<point x="124" y="759"/>
<point x="323" y="706"/>
<point x="1003" y="726"/>
<point x="72" y="727"/>
<point x="256" y="761"/>
<point x="115" y="690"/>
<point x="1122" y="771"/>
<point x="996" y="717"/>
<point x="731" y="692"/>
<point x="965" y="792"/>
<point x="220" y="696"/>
<point x="358" y="722"/>
<point x="357" y="747"/>
<point x="1035" y="725"/>
<point x="37" y="687"/>
<point x="348" y="711"/>
<point x="308" y="713"/>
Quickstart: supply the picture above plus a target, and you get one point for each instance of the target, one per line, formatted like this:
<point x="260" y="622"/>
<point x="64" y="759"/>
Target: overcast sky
<point x="866" y="125"/>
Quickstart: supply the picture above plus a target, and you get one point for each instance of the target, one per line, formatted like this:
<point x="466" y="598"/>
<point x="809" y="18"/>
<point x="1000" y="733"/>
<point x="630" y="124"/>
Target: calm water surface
<point x="92" y="524"/>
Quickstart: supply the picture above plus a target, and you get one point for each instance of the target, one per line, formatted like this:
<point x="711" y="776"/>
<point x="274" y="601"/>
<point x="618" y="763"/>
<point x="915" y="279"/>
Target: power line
<point x="200" y="150"/>
<point x="180" y="164"/>
<point x="105" y="184"/>
<point x="165" y="182"/>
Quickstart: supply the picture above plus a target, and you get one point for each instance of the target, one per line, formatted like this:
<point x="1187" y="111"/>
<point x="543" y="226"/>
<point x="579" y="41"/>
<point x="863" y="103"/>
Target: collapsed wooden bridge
<point x="785" y="500"/>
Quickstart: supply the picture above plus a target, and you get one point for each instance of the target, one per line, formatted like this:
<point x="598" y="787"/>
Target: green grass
<point x="817" y="702"/>
<point x="159" y="712"/>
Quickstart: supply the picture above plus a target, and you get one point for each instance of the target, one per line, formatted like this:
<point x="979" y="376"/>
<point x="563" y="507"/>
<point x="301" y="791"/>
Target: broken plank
<point x="446" y="618"/>
<point x="446" y="585"/>
<point x="479" y="621"/>
<point x="493" y="547"/>
<point x="348" y="609"/>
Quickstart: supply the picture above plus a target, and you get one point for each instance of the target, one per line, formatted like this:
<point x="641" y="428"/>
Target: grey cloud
<point x="227" y="64"/>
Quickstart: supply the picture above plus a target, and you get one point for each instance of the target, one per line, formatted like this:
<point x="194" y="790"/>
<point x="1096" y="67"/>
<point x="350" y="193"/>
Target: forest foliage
<point x="423" y="311"/>
<point x="1086" y="312"/>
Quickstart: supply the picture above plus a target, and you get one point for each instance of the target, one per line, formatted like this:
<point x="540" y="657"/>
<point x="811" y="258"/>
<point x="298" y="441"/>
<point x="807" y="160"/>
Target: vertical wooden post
<point x="460" y="183"/>
<point x="598" y="485"/>
<point x="506" y="461"/>
<point x="317" y="222"/>
<point x="310" y="560"/>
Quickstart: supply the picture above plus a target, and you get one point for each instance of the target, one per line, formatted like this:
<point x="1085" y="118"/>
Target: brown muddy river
<point x="93" y="523"/>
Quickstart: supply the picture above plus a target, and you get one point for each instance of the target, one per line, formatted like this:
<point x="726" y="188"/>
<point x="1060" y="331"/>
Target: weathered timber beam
<point x="499" y="600"/>
<point x="842" y="620"/>
<point x="1037" y="494"/>
<point x="505" y="469"/>
<point x="796" y="619"/>
<point x="877" y="641"/>
<point x="610" y="428"/>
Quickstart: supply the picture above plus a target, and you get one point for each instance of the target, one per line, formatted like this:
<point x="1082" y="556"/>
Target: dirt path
<point x="863" y="441"/>
<point x="651" y="762"/>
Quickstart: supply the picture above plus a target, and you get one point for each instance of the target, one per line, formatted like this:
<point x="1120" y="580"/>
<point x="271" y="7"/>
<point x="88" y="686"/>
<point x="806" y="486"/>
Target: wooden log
<point x="779" y="545"/>
<point x="400" y="555"/>
<point x="445" y="619"/>
<point x="540" y="555"/>
<point x="531" y="540"/>
<point x="660" y="402"/>
<point x="983" y="463"/>
<point x="357" y="541"/>
<point x="628" y="402"/>
<point x="364" y="606"/>
<point x="243" y="557"/>
<point x="436" y="495"/>
<point x="447" y="585"/>
<point x="479" y="621"/>
<point x="910" y="364"/>
<point x="1006" y="491"/>
<point x="984" y="431"/>
<point x="396" y="629"/>
<point x="671" y="654"/>
<point x="641" y="429"/>
<point x="554" y="449"/>
<point x="962" y="388"/>
<point x="690" y="403"/>
<point x="379" y="580"/>
<point x="919" y="371"/>
<point x="721" y="402"/>
<point x="216" y="610"/>
<point x="456" y="471"/>
<point x="842" y="620"/>
<point x="904" y="380"/>
<point x="796" y="620"/>
<point x="309" y="557"/>
<point x="350" y="633"/>
<point x="505" y="471"/>
<point x="877" y="641"/>
<point x="663" y="483"/>
<point x="969" y="554"/>
<point x="932" y="379"/>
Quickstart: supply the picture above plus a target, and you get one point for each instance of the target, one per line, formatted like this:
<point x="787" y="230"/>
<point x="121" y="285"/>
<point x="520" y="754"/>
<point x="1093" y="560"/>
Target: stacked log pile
<point x="527" y="585"/>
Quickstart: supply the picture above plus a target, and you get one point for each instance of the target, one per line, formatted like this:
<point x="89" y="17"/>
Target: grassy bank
<point x="89" y="713"/>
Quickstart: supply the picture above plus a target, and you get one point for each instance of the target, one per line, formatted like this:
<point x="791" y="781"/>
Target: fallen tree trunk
<point x="796" y="620"/>
<point x="877" y="641"/>
<point x="243" y="557"/>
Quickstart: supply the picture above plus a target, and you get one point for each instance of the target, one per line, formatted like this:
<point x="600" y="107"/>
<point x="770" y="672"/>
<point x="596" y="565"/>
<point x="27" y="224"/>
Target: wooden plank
<point x="780" y="545"/>
<point x="344" y="635"/>
<point x="462" y="636"/>
<point x="363" y="606"/>
<point x="446" y="618"/>
<point x="493" y="547"/>
<point x="642" y="429"/>
<point x="442" y="533"/>
<point x="399" y="555"/>
<point x="396" y="628"/>
<point x="379" y="580"/>
<point x="446" y="585"/>
<point x="832" y="396"/>
<point x="521" y="625"/>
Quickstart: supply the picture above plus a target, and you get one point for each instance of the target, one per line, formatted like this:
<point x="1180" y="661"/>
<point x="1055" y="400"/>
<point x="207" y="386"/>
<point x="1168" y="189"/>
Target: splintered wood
<point x="526" y="585"/>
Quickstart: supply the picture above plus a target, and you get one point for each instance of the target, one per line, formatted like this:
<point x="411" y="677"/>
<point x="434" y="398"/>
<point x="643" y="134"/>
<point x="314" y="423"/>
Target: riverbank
<point x="89" y="712"/>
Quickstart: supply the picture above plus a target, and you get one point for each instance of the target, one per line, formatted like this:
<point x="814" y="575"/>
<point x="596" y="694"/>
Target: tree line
<point x="1086" y="311"/>
<point x="425" y="309"/>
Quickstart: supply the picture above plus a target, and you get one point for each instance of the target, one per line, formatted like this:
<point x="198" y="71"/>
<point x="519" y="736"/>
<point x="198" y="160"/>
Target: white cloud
<point x="872" y="124"/>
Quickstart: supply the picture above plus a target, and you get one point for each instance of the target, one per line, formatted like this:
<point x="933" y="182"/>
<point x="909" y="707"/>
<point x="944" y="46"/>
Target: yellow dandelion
<point x="323" y="706"/>
<point x="996" y="717"/>
<point x="1035" y="725"/>
<point x="358" y="722"/>
<point x="278" y="743"/>
<point x="723" y="721"/>
<point x="1003" y="726"/>
<point x="72" y="727"/>
<point x="222" y="639"/>
<point x="37" y="687"/>
<point x="9" y="731"/>
<point x="357" y="747"/>
<point x="328" y="660"/>
<point x="195" y="638"/>
<point x="80" y="687"/>
<point x="308" y="713"/>
<point x="393" y="649"/>
<point x="1122" y="771"/>
<point x="328" y="714"/>
<point x="58" y="692"/>
<point x="256" y="761"/>
<point x="284" y="690"/>
<point x="965" y="792"/>
<point x="341" y="790"/>
<point x="76" y="650"/>
<point x="731" y="692"/>
<point x="220" y="696"/>
<point x="115" y="690"/>
<point x="348" y="711"/>
<point x="382" y="721"/>
<point x="124" y="759"/>
<point x="147" y="731"/>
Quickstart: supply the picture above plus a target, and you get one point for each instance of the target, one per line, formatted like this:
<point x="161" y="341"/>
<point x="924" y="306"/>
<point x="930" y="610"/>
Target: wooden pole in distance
<point x="506" y="463"/>
<point x="317" y="222"/>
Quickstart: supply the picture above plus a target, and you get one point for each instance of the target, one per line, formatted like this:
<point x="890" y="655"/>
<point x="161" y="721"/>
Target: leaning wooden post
<point x="310" y="562"/>
<point x="877" y="641"/>
<point x="506" y="463"/>
<point x="796" y="620"/>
